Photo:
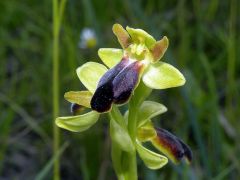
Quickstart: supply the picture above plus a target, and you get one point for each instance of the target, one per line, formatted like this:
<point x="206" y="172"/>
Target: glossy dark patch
<point x="116" y="85"/>
<point x="173" y="145"/>
<point x="102" y="98"/>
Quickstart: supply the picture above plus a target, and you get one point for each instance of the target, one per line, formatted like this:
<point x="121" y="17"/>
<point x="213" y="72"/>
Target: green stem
<point x="125" y="163"/>
<point x="132" y="120"/>
<point x="132" y="129"/>
<point x="58" y="10"/>
<point x="56" y="136"/>
<point x="131" y="173"/>
<point x="115" y="113"/>
<point x="140" y="94"/>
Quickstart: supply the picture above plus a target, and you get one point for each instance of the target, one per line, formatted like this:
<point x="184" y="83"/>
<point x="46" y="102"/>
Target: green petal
<point x="163" y="75"/>
<point x="78" y="123"/>
<point x="82" y="98"/>
<point x="148" y="110"/>
<point x="110" y="56"/>
<point x="146" y="132"/>
<point x="120" y="136"/>
<point x="140" y="36"/>
<point x="122" y="35"/>
<point x="151" y="159"/>
<point x="90" y="73"/>
<point x="159" y="49"/>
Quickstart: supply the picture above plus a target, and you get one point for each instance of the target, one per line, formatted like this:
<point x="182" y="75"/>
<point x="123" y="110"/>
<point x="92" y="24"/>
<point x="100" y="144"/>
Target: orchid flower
<point x="128" y="77"/>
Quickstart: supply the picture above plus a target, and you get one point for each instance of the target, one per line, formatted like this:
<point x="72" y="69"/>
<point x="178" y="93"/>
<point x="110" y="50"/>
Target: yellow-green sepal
<point x="110" y="56"/>
<point x="90" y="74"/>
<point x="151" y="159"/>
<point x="78" y="123"/>
<point x="163" y="75"/>
<point x="82" y="98"/>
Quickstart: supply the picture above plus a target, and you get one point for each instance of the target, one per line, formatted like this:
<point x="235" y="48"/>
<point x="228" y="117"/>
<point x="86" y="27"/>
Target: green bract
<point x="120" y="136"/>
<point x="133" y="72"/>
<point x="151" y="159"/>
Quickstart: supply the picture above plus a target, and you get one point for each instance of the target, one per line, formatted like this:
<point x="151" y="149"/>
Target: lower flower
<point x="162" y="140"/>
<point x="171" y="146"/>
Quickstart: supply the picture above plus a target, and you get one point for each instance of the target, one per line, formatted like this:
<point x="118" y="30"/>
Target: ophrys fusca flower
<point x="129" y="76"/>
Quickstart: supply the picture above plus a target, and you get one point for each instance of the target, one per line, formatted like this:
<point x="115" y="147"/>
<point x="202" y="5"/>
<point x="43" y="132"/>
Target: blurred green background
<point x="204" y="45"/>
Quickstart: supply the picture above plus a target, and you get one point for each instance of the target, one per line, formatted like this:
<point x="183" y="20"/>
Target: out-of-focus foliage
<point x="204" y="45"/>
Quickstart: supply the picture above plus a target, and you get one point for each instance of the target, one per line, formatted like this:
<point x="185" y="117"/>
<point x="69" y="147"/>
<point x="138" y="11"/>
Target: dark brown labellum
<point x="102" y="98"/>
<point x="172" y="145"/>
<point x="116" y="85"/>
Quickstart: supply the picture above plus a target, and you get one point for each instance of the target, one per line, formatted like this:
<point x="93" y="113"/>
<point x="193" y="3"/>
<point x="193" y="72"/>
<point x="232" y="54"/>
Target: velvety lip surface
<point x="116" y="85"/>
<point x="172" y="146"/>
